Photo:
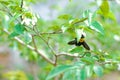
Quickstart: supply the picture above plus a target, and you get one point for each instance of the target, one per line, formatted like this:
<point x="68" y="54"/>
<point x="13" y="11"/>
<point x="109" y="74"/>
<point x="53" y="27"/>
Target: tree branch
<point x="40" y="36"/>
<point x="67" y="54"/>
<point x="53" y="62"/>
<point x="32" y="48"/>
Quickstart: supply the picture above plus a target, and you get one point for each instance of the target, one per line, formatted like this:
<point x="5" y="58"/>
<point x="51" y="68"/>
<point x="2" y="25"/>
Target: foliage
<point x="15" y="75"/>
<point x="46" y="40"/>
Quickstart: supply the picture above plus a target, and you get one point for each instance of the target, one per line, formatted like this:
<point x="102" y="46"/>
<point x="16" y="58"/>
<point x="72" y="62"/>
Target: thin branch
<point x="76" y="55"/>
<point x="32" y="48"/>
<point x="8" y="11"/>
<point x="33" y="40"/>
<point x="55" y="63"/>
<point x="108" y="62"/>
<point x="67" y="54"/>
<point x="39" y="35"/>
<point x="21" y="5"/>
<point x="81" y="20"/>
<point x="55" y="32"/>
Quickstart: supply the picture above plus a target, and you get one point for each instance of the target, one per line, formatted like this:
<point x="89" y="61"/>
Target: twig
<point x="21" y="5"/>
<point x="109" y="62"/>
<point x="71" y="55"/>
<point x="33" y="40"/>
<point x="67" y="54"/>
<point x="39" y="35"/>
<point x="48" y="33"/>
<point x="32" y="48"/>
<point x="8" y="11"/>
<point x="56" y="57"/>
<point x="55" y="32"/>
<point x="81" y="20"/>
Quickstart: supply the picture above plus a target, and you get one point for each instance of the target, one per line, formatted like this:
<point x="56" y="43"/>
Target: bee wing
<point x="73" y="42"/>
<point x="85" y="45"/>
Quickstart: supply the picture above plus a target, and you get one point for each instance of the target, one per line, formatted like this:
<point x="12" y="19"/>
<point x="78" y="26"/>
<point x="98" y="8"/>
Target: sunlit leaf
<point x="105" y="7"/>
<point x="18" y="75"/>
<point x="89" y="15"/>
<point x="89" y="70"/>
<point x="111" y="16"/>
<point x="69" y="75"/>
<point x="58" y="70"/>
<point x="63" y="28"/>
<point x="98" y="70"/>
<point x="97" y="27"/>
<point x="27" y="37"/>
<point x="28" y="15"/>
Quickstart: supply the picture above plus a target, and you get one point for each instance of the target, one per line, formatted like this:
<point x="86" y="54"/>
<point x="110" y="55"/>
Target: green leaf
<point x="14" y="75"/>
<point x="87" y="60"/>
<point x="89" y="15"/>
<point x="86" y="13"/>
<point x="13" y="34"/>
<point x="88" y="54"/>
<point x="79" y="64"/>
<point x="112" y="16"/>
<point x="65" y="17"/>
<point x="33" y="56"/>
<point x="4" y="2"/>
<point x="75" y="21"/>
<point x="58" y="70"/>
<point x="104" y="7"/>
<point x="28" y="15"/>
<point x="77" y="50"/>
<point x="89" y="70"/>
<point x="83" y="74"/>
<point x="14" y="17"/>
<point x="98" y="70"/>
<point x="63" y="28"/>
<point x="69" y="75"/>
<point x="19" y="28"/>
<point x="97" y="27"/>
<point x="27" y="37"/>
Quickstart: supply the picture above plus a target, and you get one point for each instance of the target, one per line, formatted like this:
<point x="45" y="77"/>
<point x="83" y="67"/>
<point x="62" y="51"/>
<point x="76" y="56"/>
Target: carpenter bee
<point x="81" y="42"/>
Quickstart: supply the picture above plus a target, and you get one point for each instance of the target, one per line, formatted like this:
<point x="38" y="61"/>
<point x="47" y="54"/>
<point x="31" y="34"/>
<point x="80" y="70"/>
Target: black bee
<point x="81" y="42"/>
